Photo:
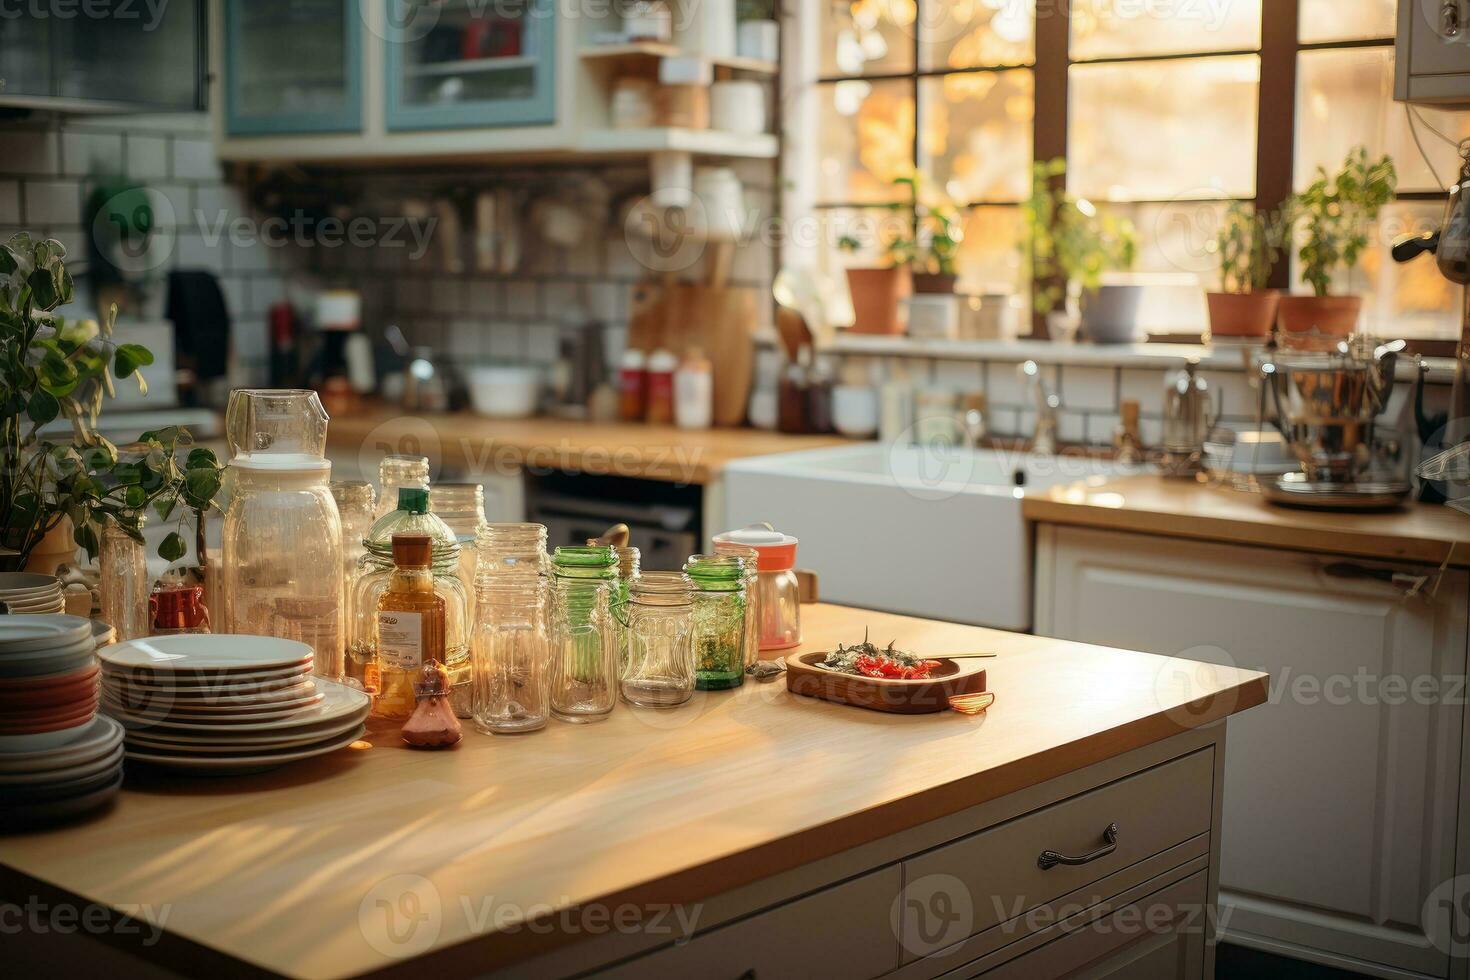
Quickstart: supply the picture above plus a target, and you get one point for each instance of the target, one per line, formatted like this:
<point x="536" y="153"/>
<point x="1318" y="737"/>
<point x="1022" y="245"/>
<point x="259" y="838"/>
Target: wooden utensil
<point x="793" y="330"/>
<point x="905" y="697"/>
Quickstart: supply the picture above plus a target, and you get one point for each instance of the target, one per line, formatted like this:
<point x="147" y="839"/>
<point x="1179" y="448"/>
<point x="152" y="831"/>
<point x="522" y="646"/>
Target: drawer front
<point x="843" y="931"/>
<point x="999" y="871"/>
<point x="1161" y="937"/>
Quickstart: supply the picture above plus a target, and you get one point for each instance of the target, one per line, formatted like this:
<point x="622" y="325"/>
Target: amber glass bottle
<point x="410" y="625"/>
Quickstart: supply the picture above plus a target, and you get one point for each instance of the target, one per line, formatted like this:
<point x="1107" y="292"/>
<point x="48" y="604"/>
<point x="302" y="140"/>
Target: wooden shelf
<point x="655" y="49"/>
<point x="705" y="142"/>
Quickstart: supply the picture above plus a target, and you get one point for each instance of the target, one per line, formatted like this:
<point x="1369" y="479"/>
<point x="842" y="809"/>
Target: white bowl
<point x="855" y="410"/>
<point x="505" y="392"/>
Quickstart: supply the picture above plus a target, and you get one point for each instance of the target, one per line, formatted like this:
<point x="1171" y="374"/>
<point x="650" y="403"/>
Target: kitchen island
<point x="792" y="837"/>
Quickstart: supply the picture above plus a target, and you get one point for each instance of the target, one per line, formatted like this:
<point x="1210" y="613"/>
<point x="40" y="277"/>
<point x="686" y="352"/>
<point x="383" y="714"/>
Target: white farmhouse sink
<point x="933" y="532"/>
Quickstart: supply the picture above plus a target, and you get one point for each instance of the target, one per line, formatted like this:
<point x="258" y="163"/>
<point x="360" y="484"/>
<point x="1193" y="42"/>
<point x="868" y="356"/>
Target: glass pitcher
<point x="278" y="422"/>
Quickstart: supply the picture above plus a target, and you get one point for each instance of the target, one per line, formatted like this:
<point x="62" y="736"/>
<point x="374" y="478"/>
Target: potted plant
<point x="1248" y="243"/>
<point x="931" y="246"/>
<point x="757" y="32"/>
<point x="1071" y="245"/>
<point x="54" y="368"/>
<point x="1336" y="213"/>
<point x="876" y="291"/>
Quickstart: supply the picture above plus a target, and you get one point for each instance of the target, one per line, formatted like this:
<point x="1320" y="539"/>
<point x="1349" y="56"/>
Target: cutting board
<point x="918" y="697"/>
<point x="718" y="319"/>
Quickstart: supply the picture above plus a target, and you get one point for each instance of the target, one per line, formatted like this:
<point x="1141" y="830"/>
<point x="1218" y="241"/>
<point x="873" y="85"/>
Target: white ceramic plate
<point x="338" y="702"/>
<point x="207" y="652"/>
<point x="240" y="764"/>
<point x="60" y="650"/>
<point x="64" y="774"/>
<point x="96" y="740"/>
<point x="48" y="665"/>
<point x="210" y="680"/>
<point x="53" y="811"/>
<point x="163" y="710"/>
<point x="293" y="695"/>
<point x="45" y="592"/>
<point x="23" y="581"/>
<point x="235" y="745"/>
<point x="103" y="633"/>
<point x="17" y="603"/>
<point x="22" y="634"/>
<point x="40" y="741"/>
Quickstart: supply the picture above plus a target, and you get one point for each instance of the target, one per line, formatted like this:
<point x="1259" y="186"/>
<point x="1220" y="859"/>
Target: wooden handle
<point x="806" y="586"/>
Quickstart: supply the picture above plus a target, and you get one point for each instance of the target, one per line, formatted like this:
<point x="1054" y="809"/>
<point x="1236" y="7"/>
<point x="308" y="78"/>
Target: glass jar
<point x="282" y="559"/>
<point x="461" y="506"/>
<point x="778" y="594"/>
<point x="629" y="567"/>
<point x="584" y="665"/>
<point x="719" y="620"/>
<point x="510" y="648"/>
<point x="371" y="579"/>
<point x="123" y="565"/>
<point x="659" y="671"/>
<point x="397" y="472"/>
<point x="751" y="558"/>
<point x="355" y="505"/>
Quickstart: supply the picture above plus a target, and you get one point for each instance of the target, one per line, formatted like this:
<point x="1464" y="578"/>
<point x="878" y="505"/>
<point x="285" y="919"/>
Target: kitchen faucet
<point x="1044" y="439"/>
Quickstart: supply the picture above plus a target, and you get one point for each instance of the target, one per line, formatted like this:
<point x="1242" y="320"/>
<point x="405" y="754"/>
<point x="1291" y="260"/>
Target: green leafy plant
<point x="1249" y="244"/>
<point x="931" y="242"/>
<point x="755" y="10"/>
<point x="1336" y="213"/>
<point x="54" y="368"/>
<point x="1070" y="243"/>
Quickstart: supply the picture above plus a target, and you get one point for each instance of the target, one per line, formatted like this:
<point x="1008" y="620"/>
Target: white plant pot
<point x="1110" y="316"/>
<point x="759" y="39"/>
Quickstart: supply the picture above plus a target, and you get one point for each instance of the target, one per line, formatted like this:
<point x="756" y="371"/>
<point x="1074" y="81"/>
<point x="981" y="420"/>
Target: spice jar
<point x="777" y="593"/>
<point x="660" y="404"/>
<point x="584" y="662"/>
<point x="397" y="472"/>
<point x="124" y="576"/>
<point x="752" y="595"/>
<point x="410" y="625"/>
<point x="633" y="386"/>
<point x="660" y="667"/>
<point x="510" y="648"/>
<point x="719" y="620"/>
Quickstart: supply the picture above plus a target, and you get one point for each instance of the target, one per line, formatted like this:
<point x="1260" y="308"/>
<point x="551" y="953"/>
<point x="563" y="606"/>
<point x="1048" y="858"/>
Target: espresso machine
<point x="1326" y="405"/>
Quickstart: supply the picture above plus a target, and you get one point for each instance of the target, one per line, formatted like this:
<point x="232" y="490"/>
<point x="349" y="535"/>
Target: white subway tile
<point x="522" y="298"/>
<point x="542" y="343"/>
<point x="484" y="296"/>
<point x="507" y="341"/>
<point x="1143" y="385"/>
<point x="90" y="153"/>
<point x="194" y="160"/>
<point x="30" y="151"/>
<point x="1089" y="388"/>
<point x="147" y="156"/>
<point x="1007" y="387"/>
<point x="53" y="202"/>
<point x="962" y="377"/>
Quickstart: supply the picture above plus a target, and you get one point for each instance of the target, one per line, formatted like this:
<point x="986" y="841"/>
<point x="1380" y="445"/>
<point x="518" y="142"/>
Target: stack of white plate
<point x="43" y="786"/>
<point x="30" y="594"/>
<point x="206" y="703"/>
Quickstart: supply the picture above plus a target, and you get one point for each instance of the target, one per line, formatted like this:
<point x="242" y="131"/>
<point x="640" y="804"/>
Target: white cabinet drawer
<point x="1001" y="871"/>
<point x="843" y="931"/>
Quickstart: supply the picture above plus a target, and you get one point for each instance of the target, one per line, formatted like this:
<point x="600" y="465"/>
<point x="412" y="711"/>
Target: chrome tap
<point x="1044" y="439"/>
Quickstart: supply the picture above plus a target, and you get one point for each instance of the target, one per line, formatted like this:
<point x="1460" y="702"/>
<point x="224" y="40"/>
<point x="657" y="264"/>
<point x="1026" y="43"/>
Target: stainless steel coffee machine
<point x="1326" y="405"/>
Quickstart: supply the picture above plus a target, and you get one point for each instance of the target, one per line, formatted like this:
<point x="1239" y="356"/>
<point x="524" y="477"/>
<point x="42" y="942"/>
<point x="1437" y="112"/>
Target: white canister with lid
<point x="738" y="105"/>
<point x="779" y="593"/>
<point x="721" y="214"/>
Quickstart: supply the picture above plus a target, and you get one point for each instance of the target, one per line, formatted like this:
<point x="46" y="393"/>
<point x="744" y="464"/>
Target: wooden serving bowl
<point x="913" y="697"/>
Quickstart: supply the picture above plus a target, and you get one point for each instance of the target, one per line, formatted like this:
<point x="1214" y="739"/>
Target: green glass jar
<point x="719" y="620"/>
<point x="584" y="661"/>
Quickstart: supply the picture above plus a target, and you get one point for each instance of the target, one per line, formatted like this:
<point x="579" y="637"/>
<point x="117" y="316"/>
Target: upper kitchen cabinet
<point x="106" y="56"/>
<point x="292" y="66"/>
<point x="1432" y="60"/>
<point x="470" y="67"/>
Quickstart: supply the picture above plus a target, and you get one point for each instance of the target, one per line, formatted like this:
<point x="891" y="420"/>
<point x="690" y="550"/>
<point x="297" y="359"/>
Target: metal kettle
<point x="1189" y="415"/>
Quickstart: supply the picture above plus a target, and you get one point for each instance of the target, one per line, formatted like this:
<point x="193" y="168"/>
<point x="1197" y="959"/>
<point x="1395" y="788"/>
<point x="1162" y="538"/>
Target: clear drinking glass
<point x="397" y="472"/>
<point x="584" y="666"/>
<point x="719" y="620"/>
<point x="462" y="507"/>
<point x="124" y="568"/>
<point x="659" y="671"/>
<point x="511" y="643"/>
<point x="751" y="557"/>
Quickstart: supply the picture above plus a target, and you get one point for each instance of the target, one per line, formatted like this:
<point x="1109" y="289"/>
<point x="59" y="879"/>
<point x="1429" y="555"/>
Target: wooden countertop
<point x="653" y="452"/>
<point x="1426" y="533"/>
<point x="274" y="870"/>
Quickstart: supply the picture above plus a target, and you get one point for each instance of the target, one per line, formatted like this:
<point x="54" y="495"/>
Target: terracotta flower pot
<point x="875" y="296"/>
<point x="1243" y="314"/>
<point x="1308" y="321"/>
<point x="55" y="549"/>
<point x="934" y="282"/>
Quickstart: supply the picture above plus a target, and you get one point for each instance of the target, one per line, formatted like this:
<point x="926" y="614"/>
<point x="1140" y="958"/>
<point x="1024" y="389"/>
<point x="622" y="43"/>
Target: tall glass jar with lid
<point x="660" y="667"/>
<point x="584" y="666"/>
<point x="123" y="563"/>
<point x="719" y="620"/>
<point x="374" y="572"/>
<point x="397" y="472"/>
<point x="461" y="506"/>
<point x="511" y="644"/>
<point x="355" y="505"/>
<point x="282" y="537"/>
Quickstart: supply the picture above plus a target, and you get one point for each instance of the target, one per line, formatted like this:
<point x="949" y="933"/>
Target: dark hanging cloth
<point x="196" y="305"/>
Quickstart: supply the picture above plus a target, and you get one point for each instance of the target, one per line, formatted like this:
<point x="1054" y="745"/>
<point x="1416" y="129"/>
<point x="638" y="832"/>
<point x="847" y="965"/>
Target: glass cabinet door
<point x="293" y="66"/>
<point x="461" y="64"/>
<point x="25" y="56"/>
<point x="148" y="55"/>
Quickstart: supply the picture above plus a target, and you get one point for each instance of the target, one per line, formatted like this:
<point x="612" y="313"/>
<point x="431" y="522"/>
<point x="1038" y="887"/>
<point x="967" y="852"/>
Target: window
<point x="1166" y="109"/>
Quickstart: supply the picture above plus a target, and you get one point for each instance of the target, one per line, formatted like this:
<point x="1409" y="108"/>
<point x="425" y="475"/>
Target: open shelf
<point x="705" y="142"/>
<point x="655" y="49"/>
<point x="470" y="66"/>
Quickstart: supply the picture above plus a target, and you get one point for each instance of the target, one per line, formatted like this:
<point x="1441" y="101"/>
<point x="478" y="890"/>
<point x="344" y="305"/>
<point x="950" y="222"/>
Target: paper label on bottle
<point x="401" y="639"/>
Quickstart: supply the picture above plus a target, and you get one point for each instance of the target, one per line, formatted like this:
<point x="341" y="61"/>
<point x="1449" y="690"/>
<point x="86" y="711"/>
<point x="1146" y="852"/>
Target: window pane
<point x="1166" y="129"/>
<point x="976" y="142"/>
<point x="1176" y="238"/>
<point x="1409" y="300"/>
<point x="990" y="255"/>
<point x="867" y="139"/>
<point x="1128" y="28"/>
<point x="976" y="33"/>
<point x="1345" y="98"/>
<point x="1333" y="20"/>
<point x="867" y="37"/>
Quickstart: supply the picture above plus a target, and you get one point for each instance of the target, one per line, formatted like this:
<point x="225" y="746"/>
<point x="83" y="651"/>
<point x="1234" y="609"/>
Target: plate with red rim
<point x="207" y="653"/>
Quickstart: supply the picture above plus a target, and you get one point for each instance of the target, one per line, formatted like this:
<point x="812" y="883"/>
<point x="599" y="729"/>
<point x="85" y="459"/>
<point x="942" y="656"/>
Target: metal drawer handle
<point x="1050" y="859"/>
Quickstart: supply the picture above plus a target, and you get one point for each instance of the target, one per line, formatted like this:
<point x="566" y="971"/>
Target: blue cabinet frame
<point x="537" y="108"/>
<point x="346" y="120"/>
